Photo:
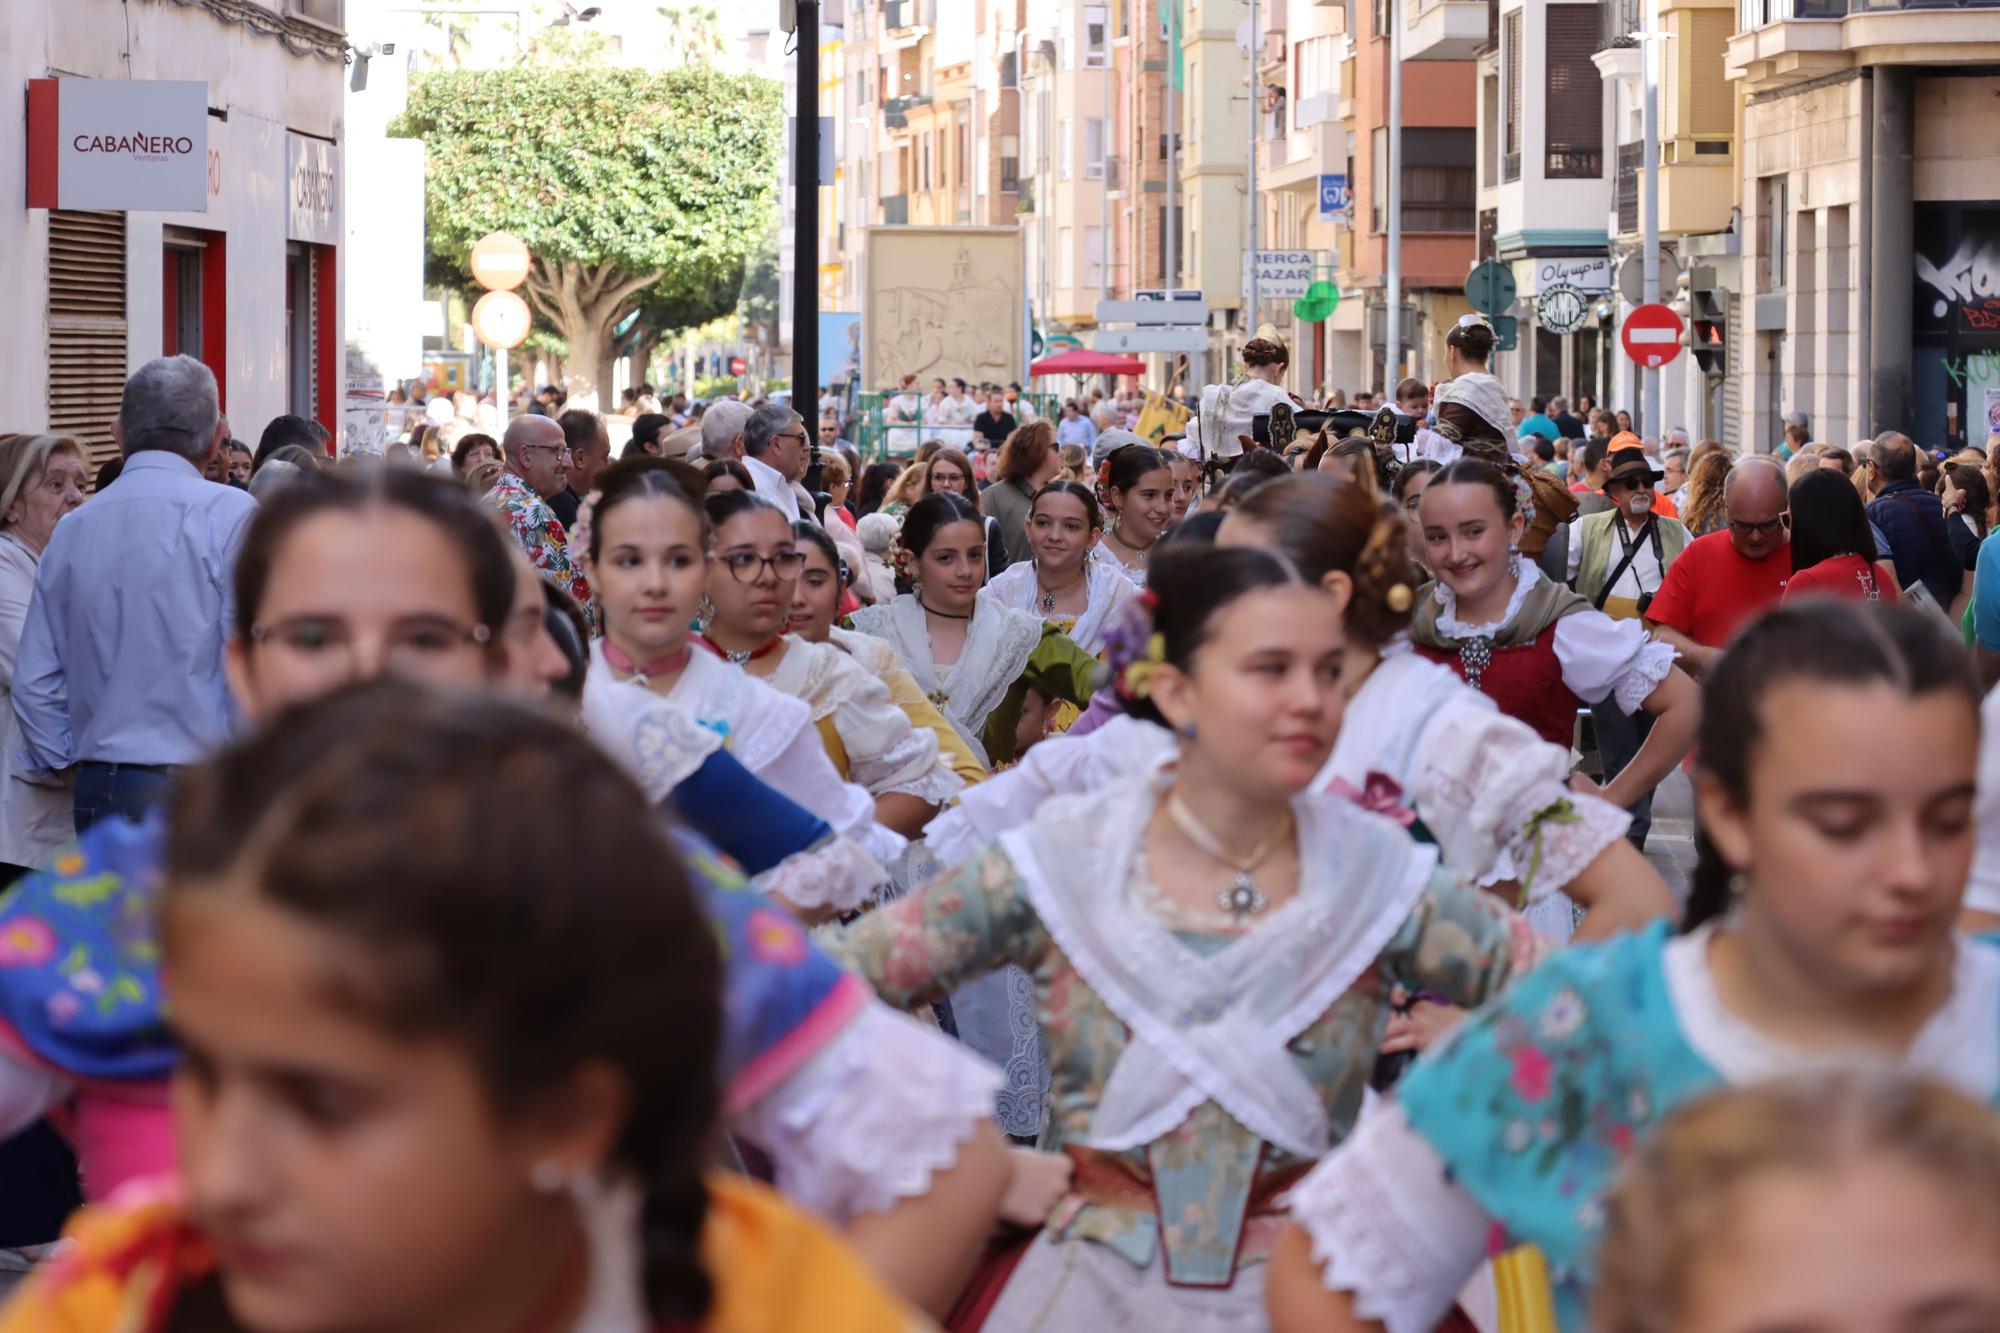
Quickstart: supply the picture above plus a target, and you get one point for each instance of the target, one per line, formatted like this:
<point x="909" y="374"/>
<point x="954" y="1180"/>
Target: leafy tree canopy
<point x="631" y="188"/>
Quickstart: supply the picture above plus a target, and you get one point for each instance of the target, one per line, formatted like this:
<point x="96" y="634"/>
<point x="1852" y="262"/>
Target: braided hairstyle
<point x="1323" y="526"/>
<point x="1824" y="640"/>
<point x="368" y="815"/>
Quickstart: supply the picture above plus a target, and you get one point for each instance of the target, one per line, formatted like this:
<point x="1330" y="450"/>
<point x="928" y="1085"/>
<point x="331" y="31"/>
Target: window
<point x="1575" y="120"/>
<point x="1065" y="256"/>
<point x="1009" y="70"/>
<point x="1093" y="149"/>
<point x="1094" y="32"/>
<point x="1093" y="257"/>
<point x="1438" y="188"/>
<point x="1010" y="162"/>
<point x="1510" y="70"/>
<point x="1773" y="217"/>
<point x="1065" y="150"/>
<point x="1489" y="100"/>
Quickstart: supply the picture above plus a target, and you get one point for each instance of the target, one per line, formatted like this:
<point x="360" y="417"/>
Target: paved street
<point x="1670" y="846"/>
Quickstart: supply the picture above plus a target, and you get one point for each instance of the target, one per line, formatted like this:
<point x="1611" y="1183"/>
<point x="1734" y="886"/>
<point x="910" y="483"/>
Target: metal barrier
<point x="878" y="437"/>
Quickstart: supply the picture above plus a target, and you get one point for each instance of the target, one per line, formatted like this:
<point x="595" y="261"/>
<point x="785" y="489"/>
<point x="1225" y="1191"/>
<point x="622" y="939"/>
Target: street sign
<point x="1153" y="312"/>
<point x="1149" y="340"/>
<point x="1161" y="294"/>
<point x="1333" y="198"/>
<point x="1282" y="275"/>
<point x="1632" y="276"/>
<point x="1562" y="309"/>
<point x="737" y="365"/>
<point x="1589" y="274"/>
<point x="1490" y="287"/>
<point x="499" y="261"/>
<point x="1507" y="329"/>
<point x="501" y="320"/>
<point x="1652" y="335"/>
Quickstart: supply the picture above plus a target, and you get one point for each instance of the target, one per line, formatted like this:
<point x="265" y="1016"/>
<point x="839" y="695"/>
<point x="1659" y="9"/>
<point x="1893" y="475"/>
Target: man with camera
<point x="1618" y="558"/>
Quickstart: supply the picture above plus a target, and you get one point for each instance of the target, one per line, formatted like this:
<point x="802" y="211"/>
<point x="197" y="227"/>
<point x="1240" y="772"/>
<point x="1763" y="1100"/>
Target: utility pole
<point x="805" y="214"/>
<point x="1256" y="111"/>
<point x="1173" y="228"/>
<point x="1392" y="333"/>
<point x="1650" y="43"/>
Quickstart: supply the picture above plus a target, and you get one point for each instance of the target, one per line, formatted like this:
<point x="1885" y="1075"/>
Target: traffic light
<point x="1708" y="323"/>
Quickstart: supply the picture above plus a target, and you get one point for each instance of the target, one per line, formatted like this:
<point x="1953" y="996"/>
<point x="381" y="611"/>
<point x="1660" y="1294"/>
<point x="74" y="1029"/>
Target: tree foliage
<point x="632" y="189"/>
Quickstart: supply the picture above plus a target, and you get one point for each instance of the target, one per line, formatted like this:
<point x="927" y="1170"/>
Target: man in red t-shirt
<point x="1727" y="577"/>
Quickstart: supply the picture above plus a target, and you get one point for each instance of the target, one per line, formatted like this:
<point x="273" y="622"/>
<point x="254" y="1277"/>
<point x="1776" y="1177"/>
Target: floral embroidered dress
<point x="1512" y="1130"/>
<point x="541" y="535"/>
<point x="1415" y="742"/>
<point x="140" y="1266"/>
<point x="1107" y="588"/>
<point x="1199" y="1067"/>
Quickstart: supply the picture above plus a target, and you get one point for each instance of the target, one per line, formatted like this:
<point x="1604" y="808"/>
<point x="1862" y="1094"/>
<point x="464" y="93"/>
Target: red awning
<point x="1082" y="361"/>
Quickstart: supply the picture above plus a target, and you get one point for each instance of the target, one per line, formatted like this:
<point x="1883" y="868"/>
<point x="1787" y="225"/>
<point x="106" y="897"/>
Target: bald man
<point x="537" y="460"/>
<point x="1727" y="577"/>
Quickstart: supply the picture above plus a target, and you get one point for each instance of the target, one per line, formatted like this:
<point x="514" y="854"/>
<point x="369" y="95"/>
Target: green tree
<point x="630" y="189"/>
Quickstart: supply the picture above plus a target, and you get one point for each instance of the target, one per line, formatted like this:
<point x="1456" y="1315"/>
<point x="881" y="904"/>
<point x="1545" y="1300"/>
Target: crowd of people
<point x="1042" y="884"/>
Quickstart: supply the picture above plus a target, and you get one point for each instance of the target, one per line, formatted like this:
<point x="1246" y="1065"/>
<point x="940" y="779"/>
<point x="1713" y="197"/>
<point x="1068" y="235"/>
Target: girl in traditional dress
<point x="1416" y="742"/>
<point x="1536" y="648"/>
<point x="974" y="656"/>
<point x="1211" y="949"/>
<point x="815" y="613"/>
<point x="422" y="1089"/>
<point x="1839" y="746"/>
<point x="819" y="1077"/>
<point x="650" y="542"/>
<point x="752" y="582"/>
<point x="1136" y="489"/>
<point x="1063" y="583"/>
<point x="1838" y="1199"/>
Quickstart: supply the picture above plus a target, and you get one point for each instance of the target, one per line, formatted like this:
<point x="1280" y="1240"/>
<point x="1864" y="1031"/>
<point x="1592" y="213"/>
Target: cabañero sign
<point x="134" y="145"/>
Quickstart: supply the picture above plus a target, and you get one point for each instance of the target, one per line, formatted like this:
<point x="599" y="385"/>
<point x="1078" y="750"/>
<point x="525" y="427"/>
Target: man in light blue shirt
<point x="120" y="668"/>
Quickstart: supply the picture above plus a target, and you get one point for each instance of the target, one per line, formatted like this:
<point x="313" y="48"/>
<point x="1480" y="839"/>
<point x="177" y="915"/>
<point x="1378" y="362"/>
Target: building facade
<point x="251" y="283"/>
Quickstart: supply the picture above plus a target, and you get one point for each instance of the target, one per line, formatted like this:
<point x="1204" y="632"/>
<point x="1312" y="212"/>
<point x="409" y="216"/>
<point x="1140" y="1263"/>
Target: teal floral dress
<point x="1190" y="1172"/>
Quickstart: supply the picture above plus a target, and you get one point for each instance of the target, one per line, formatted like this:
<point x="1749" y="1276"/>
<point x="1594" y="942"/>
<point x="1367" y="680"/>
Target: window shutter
<point x="1575" y="94"/>
<point x="1714" y="105"/>
<point x="87" y="355"/>
<point x="1510" y="58"/>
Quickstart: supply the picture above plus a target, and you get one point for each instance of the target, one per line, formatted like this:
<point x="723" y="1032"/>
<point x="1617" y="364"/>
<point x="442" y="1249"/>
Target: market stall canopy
<point x="1082" y="361"/>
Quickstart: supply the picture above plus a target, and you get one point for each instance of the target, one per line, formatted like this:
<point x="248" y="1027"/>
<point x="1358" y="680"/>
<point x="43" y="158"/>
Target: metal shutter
<point x="87" y="356"/>
<point x="1575" y="94"/>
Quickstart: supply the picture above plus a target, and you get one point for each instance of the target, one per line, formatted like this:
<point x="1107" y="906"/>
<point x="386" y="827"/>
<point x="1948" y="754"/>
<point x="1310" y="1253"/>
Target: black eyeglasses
<point x="1742" y="529"/>
<point x="748" y="566"/>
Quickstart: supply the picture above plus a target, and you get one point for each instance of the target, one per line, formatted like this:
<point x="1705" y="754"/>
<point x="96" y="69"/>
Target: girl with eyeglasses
<point x="752" y="585"/>
<point x="649" y="544"/>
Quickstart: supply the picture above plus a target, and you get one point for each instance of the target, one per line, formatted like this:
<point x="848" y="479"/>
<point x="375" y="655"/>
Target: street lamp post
<point x="1392" y="334"/>
<point x="1649" y="44"/>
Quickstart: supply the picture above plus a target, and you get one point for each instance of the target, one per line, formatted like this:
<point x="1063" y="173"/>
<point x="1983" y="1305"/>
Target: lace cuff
<point x="1649" y="667"/>
<point x="869" y="1120"/>
<point x="839" y="874"/>
<point x="1562" y="838"/>
<point x="1389" y="1226"/>
<point x="912" y="767"/>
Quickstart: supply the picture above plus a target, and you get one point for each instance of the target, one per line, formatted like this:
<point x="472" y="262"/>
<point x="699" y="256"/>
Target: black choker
<point x="942" y="615"/>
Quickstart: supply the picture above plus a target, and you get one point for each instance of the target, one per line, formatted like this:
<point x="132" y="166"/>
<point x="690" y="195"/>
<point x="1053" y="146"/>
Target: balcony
<point x="1445" y="30"/>
<point x="1114" y="174"/>
<point x="1026" y="190"/>
<point x="1786" y="42"/>
<point x="1617" y="21"/>
<point x="895" y="210"/>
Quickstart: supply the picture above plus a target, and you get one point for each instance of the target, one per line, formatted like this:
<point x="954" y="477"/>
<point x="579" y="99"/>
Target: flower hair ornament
<point x="578" y="541"/>
<point x="1134" y="650"/>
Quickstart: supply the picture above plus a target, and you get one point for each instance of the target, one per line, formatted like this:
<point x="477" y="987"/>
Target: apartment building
<point x="1870" y="203"/>
<point x="1068" y="95"/>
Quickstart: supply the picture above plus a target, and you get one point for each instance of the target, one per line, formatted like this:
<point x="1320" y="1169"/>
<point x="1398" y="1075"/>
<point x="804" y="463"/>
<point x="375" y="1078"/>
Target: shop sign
<point x="126" y="145"/>
<point x="1591" y="275"/>
<point x="312" y="190"/>
<point x="1282" y="275"/>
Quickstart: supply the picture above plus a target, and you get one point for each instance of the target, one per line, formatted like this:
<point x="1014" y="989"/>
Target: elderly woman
<point x="42" y="477"/>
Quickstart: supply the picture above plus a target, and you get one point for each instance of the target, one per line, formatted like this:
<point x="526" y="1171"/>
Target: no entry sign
<point x="1652" y="335"/>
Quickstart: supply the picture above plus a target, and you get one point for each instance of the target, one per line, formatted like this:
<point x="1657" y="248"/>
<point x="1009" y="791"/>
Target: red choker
<point x="739" y="658"/>
<point x="659" y="666"/>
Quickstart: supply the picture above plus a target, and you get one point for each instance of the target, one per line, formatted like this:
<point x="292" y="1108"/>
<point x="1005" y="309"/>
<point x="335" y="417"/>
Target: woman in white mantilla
<point x="1064" y="585"/>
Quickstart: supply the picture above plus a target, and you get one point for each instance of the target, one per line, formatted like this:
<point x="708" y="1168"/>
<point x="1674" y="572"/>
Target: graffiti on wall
<point x="1969" y="280"/>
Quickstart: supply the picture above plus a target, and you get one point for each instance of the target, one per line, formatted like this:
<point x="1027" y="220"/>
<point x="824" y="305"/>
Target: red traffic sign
<point x="1652" y="335"/>
<point x="737" y="365"/>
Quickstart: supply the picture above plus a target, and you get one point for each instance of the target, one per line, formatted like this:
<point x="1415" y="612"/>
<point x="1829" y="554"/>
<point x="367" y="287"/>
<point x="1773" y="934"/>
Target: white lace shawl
<point x="1108" y="591"/>
<point x="998" y="642"/>
<point x="885" y="752"/>
<point x="1476" y="776"/>
<point x="1216" y="1027"/>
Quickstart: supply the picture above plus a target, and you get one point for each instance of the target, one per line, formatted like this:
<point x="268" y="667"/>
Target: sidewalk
<point x="1670" y="845"/>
